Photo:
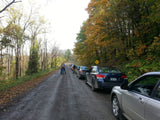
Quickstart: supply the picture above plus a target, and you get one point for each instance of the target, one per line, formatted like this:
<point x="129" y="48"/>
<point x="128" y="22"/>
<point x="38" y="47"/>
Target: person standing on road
<point x="63" y="68"/>
<point x="74" y="67"/>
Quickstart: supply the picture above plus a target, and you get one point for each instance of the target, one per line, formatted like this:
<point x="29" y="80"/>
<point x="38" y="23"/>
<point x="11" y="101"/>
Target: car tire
<point x="86" y="80"/>
<point x="93" y="85"/>
<point x="116" y="110"/>
<point x="79" y="76"/>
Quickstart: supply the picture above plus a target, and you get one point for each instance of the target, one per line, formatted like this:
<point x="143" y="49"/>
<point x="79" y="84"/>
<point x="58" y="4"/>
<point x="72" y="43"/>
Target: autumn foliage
<point x="121" y="33"/>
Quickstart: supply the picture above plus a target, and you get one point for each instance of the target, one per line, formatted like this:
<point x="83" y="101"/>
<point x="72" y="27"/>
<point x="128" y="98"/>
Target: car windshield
<point x="84" y="68"/>
<point x="109" y="70"/>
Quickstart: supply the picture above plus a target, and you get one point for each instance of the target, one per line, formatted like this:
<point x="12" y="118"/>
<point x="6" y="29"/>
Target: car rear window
<point x="109" y="70"/>
<point x="84" y="68"/>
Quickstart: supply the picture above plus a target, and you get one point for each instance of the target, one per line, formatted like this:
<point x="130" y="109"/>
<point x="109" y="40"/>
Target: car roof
<point x="105" y="66"/>
<point x="83" y="66"/>
<point x="145" y="74"/>
<point x="151" y="73"/>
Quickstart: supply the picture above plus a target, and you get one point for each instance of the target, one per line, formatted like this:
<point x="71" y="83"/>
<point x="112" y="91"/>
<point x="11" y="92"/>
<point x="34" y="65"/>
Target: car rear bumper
<point x="83" y="75"/>
<point x="108" y="85"/>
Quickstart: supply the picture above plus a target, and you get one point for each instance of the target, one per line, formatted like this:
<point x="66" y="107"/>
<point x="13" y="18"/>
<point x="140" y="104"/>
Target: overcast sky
<point x="66" y="17"/>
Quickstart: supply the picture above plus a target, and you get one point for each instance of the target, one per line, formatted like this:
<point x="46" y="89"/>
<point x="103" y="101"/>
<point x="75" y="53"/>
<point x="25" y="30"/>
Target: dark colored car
<point x="104" y="77"/>
<point x="77" y="69"/>
<point x="81" y="72"/>
<point x="139" y="100"/>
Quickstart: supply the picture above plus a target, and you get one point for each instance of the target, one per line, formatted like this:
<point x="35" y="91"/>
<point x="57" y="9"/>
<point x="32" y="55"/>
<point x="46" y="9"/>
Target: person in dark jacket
<point x="74" y="67"/>
<point x="63" y="71"/>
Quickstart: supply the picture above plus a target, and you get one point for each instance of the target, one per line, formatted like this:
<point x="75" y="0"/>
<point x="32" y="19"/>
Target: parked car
<point x="77" y="68"/>
<point x="104" y="77"/>
<point x="81" y="71"/>
<point x="140" y="100"/>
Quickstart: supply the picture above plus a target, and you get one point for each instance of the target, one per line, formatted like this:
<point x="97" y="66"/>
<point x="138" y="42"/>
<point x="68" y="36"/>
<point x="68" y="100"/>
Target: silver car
<point x="140" y="100"/>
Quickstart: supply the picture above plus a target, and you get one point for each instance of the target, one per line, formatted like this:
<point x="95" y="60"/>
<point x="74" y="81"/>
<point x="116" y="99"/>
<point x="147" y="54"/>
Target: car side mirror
<point x="124" y="85"/>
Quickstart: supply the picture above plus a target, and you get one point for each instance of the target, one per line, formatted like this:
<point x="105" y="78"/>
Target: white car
<point x="140" y="100"/>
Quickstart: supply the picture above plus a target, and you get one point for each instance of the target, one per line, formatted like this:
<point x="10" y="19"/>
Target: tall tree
<point x="33" y="65"/>
<point x="68" y="55"/>
<point x="18" y="23"/>
<point x="54" y="55"/>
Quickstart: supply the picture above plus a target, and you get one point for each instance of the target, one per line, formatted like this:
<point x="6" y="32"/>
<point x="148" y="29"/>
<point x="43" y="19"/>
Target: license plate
<point x="113" y="79"/>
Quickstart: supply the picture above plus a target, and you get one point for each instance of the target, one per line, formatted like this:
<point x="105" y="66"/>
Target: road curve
<point x="61" y="97"/>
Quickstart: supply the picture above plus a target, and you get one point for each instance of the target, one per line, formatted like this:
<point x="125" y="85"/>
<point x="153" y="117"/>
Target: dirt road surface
<point x="61" y="97"/>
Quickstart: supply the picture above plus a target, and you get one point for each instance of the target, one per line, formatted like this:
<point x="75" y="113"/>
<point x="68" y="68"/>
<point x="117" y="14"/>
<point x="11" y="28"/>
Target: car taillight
<point x="100" y="76"/>
<point x="123" y="76"/>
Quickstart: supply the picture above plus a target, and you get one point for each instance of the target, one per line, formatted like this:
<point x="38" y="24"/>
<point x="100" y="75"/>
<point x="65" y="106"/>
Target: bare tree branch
<point x="13" y="1"/>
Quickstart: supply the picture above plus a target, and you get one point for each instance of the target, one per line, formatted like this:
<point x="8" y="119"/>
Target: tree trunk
<point x="17" y="66"/>
<point x="55" y="62"/>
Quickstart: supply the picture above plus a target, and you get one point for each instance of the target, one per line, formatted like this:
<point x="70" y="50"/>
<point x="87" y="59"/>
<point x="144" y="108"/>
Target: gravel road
<point x="61" y="97"/>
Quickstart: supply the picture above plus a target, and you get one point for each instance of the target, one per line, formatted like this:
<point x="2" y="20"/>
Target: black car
<point x="77" y="69"/>
<point x="104" y="77"/>
<point x="81" y="72"/>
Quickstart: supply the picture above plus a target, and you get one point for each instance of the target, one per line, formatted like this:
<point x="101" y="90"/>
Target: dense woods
<point x="124" y="33"/>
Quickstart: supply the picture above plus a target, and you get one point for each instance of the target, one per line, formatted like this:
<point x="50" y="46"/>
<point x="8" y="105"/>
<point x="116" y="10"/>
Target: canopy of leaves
<point x="119" y="31"/>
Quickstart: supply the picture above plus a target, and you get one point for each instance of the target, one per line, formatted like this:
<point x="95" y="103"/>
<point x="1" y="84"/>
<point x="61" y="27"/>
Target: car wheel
<point x="93" y="85"/>
<point x="86" y="80"/>
<point x="116" y="108"/>
<point x="79" y="76"/>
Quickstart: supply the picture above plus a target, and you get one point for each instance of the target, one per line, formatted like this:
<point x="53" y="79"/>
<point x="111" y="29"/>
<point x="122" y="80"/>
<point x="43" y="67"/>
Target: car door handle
<point x="141" y="100"/>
